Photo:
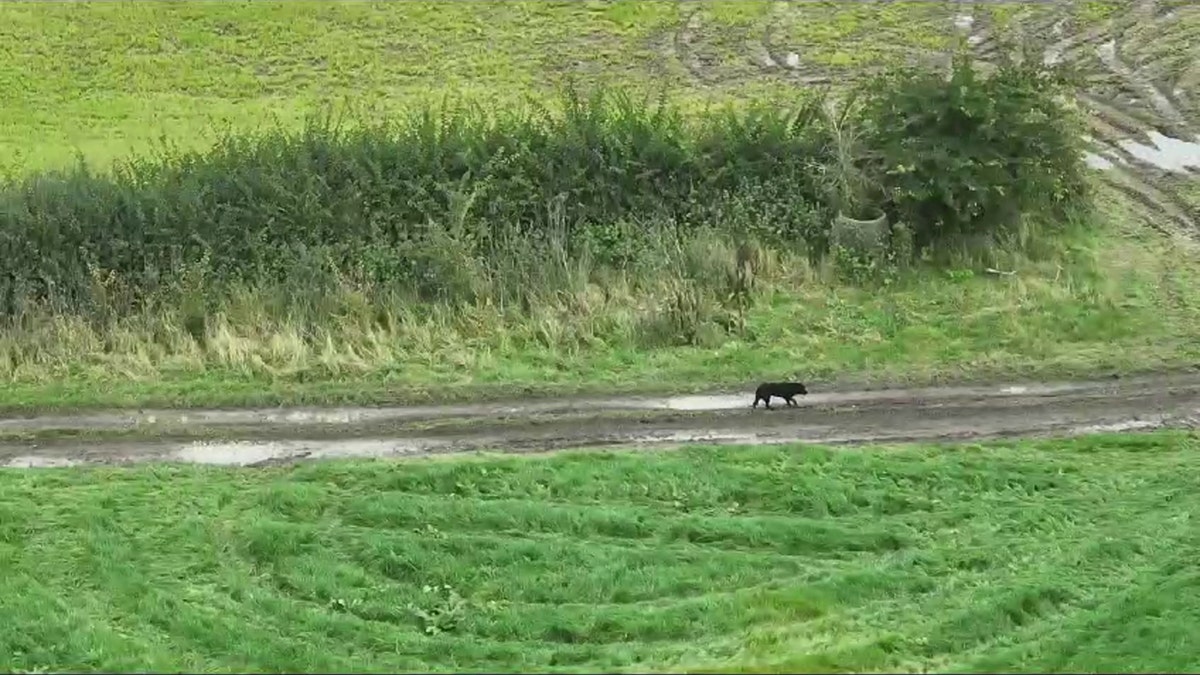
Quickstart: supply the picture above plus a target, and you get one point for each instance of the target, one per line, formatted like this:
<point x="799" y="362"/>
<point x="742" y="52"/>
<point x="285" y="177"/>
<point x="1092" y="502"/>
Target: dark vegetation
<point x="401" y="207"/>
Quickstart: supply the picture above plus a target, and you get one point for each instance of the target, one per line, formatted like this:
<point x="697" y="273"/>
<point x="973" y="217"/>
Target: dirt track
<point x="261" y="437"/>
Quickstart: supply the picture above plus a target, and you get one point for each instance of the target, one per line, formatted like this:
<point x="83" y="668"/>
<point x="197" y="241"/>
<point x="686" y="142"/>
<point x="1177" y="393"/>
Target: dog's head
<point x="803" y="389"/>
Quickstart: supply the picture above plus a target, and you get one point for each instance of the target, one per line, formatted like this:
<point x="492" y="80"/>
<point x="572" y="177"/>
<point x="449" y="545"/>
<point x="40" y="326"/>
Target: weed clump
<point x="970" y="156"/>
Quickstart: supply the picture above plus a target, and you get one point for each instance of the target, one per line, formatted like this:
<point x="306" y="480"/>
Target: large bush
<point x="255" y="208"/>
<point x="972" y="154"/>
<point x="405" y="204"/>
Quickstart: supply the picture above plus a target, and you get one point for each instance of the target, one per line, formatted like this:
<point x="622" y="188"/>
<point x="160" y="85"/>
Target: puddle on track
<point x="1168" y="154"/>
<point x="249" y="453"/>
<point x="1163" y="152"/>
<point x="933" y="423"/>
<point x="245" y="453"/>
<point x="1117" y="427"/>
<point x="350" y="416"/>
<point x="38" y="462"/>
<point x="734" y="401"/>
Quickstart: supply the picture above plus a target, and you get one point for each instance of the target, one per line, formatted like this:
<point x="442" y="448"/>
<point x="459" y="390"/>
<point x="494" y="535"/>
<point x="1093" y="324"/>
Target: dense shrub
<point x="409" y="203"/>
<point x="970" y="155"/>
<point x="255" y="208"/>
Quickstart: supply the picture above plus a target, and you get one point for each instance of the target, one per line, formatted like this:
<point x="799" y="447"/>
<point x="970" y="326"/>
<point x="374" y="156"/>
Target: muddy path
<point x="263" y="437"/>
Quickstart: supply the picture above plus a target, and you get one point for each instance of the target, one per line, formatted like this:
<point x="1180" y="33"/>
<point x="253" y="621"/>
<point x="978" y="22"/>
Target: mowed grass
<point x="1070" y="556"/>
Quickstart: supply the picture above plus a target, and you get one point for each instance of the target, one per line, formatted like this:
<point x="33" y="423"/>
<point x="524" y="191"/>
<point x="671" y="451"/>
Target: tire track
<point x="703" y="62"/>
<point x="845" y="417"/>
<point x="1126" y="63"/>
<point x="1175" y="124"/>
<point x="758" y="48"/>
<point x="685" y="37"/>
<point x="789" y="61"/>
<point x="1167" y="214"/>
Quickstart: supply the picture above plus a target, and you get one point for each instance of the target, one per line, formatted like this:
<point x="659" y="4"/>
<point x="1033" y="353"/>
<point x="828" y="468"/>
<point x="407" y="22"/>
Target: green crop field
<point x="1049" y="556"/>
<point x="106" y="78"/>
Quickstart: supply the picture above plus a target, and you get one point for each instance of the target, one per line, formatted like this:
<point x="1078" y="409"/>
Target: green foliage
<point x="1039" y="556"/>
<point x="850" y="188"/>
<point x="411" y="204"/>
<point x="389" y="201"/>
<point x="971" y="155"/>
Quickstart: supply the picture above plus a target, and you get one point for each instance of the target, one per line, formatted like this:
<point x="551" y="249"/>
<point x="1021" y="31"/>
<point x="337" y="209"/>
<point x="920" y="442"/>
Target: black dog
<point x="784" y="390"/>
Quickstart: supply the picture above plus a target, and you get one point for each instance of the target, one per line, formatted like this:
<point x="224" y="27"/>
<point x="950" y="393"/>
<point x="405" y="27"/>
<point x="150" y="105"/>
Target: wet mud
<point x="845" y="417"/>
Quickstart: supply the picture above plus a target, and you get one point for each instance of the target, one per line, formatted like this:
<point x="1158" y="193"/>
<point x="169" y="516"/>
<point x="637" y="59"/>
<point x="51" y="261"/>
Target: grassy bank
<point x="1099" y="296"/>
<point x="615" y="244"/>
<point x="413" y="258"/>
<point x="1020" y="557"/>
<point x="1117" y="298"/>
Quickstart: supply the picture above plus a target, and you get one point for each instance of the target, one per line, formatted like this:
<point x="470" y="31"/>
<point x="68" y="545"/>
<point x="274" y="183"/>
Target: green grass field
<point x="1021" y="556"/>
<point x="1048" y="556"/>
<point x="104" y="79"/>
